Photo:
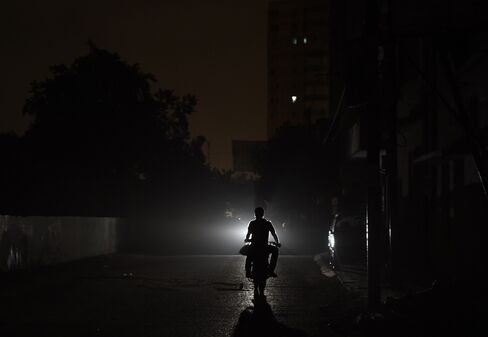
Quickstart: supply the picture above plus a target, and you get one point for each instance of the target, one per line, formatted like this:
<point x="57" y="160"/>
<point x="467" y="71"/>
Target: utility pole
<point x="373" y="125"/>
<point x="389" y="93"/>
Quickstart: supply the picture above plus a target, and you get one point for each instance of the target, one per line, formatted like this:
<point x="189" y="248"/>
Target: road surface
<point x="135" y="295"/>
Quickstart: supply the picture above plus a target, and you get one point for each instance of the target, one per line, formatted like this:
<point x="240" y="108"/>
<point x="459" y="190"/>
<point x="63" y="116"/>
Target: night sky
<point x="213" y="49"/>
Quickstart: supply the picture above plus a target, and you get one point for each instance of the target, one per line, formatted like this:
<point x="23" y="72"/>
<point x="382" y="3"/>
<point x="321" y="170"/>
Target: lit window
<point x="294" y="40"/>
<point x="305" y="41"/>
<point x="293" y="99"/>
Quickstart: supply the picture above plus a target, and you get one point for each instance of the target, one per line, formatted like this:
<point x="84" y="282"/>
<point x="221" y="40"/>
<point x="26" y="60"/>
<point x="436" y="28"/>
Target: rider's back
<point x="260" y="229"/>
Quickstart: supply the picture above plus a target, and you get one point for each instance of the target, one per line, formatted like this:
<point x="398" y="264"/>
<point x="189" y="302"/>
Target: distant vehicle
<point x="348" y="242"/>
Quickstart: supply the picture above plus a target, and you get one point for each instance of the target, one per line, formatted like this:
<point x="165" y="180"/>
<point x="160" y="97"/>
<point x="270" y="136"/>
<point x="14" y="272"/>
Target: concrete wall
<point x="34" y="241"/>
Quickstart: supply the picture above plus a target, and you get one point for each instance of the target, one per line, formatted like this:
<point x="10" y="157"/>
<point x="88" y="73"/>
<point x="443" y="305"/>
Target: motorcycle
<point x="259" y="268"/>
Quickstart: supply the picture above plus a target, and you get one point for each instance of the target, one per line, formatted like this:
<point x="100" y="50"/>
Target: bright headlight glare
<point x="331" y="240"/>
<point x="236" y="232"/>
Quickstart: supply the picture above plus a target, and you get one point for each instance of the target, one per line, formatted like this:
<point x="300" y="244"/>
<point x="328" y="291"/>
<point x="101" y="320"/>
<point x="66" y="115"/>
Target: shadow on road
<point x="260" y="321"/>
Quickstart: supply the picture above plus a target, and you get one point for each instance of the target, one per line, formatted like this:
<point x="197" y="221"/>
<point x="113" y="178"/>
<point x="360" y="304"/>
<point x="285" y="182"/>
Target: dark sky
<point x="214" y="49"/>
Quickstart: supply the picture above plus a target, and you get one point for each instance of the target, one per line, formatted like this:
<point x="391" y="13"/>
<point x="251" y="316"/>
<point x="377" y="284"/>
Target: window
<point x="305" y="41"/>
<point x="274" y="28"/>
<point x="294" y="99"/>
<point x="274" y="13"/>
<point x="294" y="41"/>
<point x="315" y="97"/>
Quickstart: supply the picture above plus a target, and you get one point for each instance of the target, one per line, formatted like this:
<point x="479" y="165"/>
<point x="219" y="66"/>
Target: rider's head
<point x="259" y="212"/>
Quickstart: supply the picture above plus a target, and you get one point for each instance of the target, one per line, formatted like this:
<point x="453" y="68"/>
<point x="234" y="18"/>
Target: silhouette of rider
<point x="257" y="233"/>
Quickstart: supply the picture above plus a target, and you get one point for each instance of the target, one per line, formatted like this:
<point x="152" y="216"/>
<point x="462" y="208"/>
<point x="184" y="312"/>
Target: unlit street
<point x="129" y="295"/>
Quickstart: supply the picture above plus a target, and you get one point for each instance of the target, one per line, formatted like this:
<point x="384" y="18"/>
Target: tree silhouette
<point x="100" y="113"/>
<point x="101" y="129"/>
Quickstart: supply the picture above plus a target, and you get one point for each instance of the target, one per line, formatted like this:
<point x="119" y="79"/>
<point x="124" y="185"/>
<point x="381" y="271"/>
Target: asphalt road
<point x="132" y="295"/>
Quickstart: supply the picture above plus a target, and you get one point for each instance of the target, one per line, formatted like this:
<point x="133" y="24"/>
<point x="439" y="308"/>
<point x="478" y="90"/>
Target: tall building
<point x="298" y="63"/>
<point x="247" y="156"/>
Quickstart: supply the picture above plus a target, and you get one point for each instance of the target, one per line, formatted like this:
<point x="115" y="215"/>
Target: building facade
<point x="247" y="155"/>
<point x="434" y="134"/>
<point x="298" y="63"/>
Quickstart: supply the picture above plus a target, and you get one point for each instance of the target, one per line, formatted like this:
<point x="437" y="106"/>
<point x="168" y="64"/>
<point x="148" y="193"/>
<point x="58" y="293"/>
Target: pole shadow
<point x="259" y="320"/>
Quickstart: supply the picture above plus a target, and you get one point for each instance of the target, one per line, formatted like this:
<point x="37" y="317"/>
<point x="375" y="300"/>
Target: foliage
<point x="100" y="114"/>
<point x="103" y="135"/>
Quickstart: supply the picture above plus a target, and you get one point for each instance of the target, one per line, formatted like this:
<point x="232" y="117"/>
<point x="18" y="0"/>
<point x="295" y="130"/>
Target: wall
<point x="34" y="241"/>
